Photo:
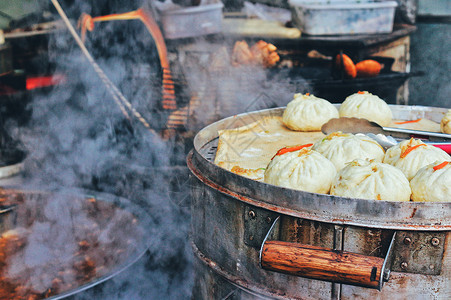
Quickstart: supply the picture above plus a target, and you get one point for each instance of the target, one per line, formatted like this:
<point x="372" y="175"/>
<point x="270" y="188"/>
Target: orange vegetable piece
<point x="347" y="64"/>
<point x="368" y="68"/>
<point x="410" y="149"/>
<point x="406" y="122"/>
<point x="291" y="149"/>
<point x="441" y="166"/>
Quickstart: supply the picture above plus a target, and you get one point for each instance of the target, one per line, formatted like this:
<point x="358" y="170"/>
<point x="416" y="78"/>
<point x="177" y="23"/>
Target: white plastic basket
<point x="191" y="21"/>
<point x="343" y="17"/>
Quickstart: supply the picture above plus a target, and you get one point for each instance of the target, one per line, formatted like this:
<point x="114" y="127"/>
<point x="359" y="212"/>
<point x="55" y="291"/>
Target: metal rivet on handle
<point x="435" y="242"/>
<point x="252" y="214"/>
<point x="404" y="265"/>
<point x="407" y="241"/>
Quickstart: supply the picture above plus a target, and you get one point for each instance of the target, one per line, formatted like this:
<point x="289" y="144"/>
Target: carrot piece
<point x="441" y="166"/>
<point x="410" y="149"/>
<point x="406" y="122"/>
<point x="360" y="92"/>
<point x="291" y="149"/>
<point x="347" y="64"/>
<point x="368" y="68"/>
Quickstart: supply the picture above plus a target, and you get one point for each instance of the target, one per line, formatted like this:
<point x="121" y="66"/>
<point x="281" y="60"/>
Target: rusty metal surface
<point x="419" y="252"/>
<point x="425" y="216"/>
<point x="307" y="232"/>
<point x="211" y="282"/>
<point x="338" y="245"/>
<point x="410" y="286"/>
<point x="257" y="222"/>
<point x="218" y="235"/>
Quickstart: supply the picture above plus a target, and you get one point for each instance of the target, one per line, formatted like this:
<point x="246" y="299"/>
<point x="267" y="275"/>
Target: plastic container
<point x="343" y="17"/>
<point x="191" y="21"/>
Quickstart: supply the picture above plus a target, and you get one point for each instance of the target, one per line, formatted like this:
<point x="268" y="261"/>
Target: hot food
<point x="59" y="243"/>
<point x="371" y="180"/>
<point x="367" y="106"/>
<point x="341" y="148"/>
<point x="271" y="150"/>
<point x="432" y="183"/>
<point x="301" y="168"/>
<point x="308" y="113"/>
<point x="411" y="155"/>
<point x="445" y="124"/>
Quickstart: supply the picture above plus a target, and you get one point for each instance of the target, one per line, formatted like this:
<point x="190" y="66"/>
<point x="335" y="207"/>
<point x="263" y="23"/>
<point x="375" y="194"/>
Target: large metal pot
<point x="76" y="241"/>
<point x="321" y="246"/>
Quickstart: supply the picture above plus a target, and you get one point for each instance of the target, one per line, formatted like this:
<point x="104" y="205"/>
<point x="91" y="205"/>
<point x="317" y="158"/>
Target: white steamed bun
<point x="303" y="169"/>
<point x="365" y="105"/>
<point x="411" y="155"/>
<point x="432" y="183"/>
<point x="341" y="148"/>
<point x="445" y="124"/>
<point x="308" y="113"/>
<point x="371" y="180"/>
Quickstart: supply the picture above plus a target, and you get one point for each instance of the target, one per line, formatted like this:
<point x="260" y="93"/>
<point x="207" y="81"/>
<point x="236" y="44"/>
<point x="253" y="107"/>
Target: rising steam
<point x="78" y="137"/>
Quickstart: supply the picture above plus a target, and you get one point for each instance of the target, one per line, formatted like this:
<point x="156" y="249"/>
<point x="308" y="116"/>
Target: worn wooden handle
<point x="322" y="263"/>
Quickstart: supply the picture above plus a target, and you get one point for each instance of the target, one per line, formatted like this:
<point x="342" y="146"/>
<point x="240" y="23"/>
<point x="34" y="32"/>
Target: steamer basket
<point x="232" y="215"/>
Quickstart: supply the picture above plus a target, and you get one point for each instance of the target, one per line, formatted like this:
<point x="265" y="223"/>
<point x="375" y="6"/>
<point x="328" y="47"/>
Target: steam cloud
<point x="78" y="137"/>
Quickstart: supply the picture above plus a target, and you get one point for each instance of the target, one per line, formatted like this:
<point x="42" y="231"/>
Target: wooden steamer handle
<point x="322" y="263"/>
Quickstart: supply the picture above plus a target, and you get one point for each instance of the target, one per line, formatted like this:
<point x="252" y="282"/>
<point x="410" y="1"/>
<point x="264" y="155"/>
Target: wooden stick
<point x="322" y="263"/>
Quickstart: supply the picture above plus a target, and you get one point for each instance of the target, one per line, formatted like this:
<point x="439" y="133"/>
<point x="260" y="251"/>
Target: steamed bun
<point x="371" y="180"/>
<point x="432" y="183"/>
<point x="341" y="148"/>
<point x="308" y="113"/>
<point x="366" y="106"/>
<point x="411" y="155"/>
<point x="303" y="169"/>
<point x="445" y="124"/>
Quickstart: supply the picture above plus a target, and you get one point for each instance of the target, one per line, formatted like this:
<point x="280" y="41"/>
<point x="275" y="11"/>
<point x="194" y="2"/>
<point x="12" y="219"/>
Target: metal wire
<point x="118" y="97"/>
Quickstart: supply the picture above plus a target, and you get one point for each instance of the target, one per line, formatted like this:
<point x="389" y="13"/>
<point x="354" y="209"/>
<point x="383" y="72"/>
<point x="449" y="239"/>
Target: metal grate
<point x="208" y="151"/>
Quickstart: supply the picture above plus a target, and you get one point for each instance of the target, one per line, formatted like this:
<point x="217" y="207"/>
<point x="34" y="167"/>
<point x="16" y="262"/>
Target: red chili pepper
<point x="441" y="166"/>
<point x="291" y="149"/>
<point x="410" y="149"/>
<point x="406" y="122"/>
